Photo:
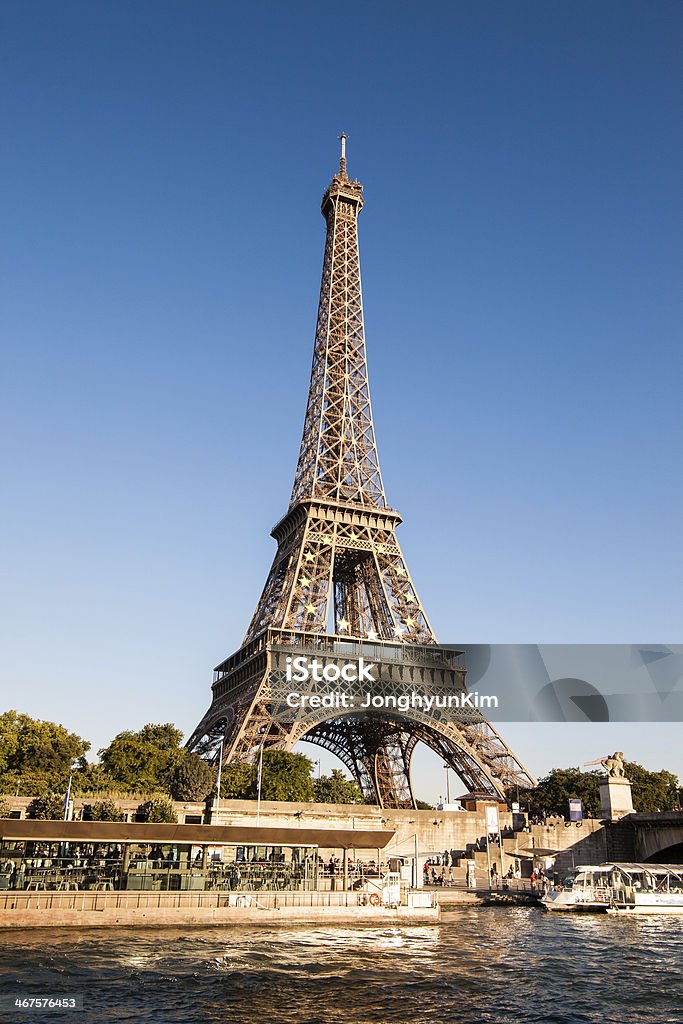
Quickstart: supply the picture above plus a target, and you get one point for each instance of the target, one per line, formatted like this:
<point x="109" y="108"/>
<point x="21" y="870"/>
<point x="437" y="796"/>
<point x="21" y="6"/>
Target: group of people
<point x="514" y="871"/>
<point x="540" y="880"/>
<point x="354" y="868"/>
<point x="438" y="875"/>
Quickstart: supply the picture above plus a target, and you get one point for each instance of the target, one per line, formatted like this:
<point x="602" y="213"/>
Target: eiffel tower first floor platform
<point x="365" y="701"/>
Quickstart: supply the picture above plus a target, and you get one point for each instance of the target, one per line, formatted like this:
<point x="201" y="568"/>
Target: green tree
<point x="42" y="751"/>
<point x="422" y="805"/>
<point x="29" y="783"/>
<point x="651" y="791"/>
<point x="337" y="789"/>
<point x="192" y="778"/>
<point x="5" y="809"/>
<point x="50" y="806"/>
<point x="103" y="810"/>
<point x="159" y="809"/>
<point x="90" y="777"/>
<point x="143" y="760"/>
<point x="553" y="792"/>
<point x="238" y="781"/>
<point x="286" y="776"/>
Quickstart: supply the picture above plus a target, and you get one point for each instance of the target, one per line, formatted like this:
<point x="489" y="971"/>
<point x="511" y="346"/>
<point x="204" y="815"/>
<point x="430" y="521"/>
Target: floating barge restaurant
<point x="82" y="873"/>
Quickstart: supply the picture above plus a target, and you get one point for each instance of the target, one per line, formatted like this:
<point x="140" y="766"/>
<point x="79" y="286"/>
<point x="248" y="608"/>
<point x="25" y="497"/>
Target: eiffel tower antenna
<point x="339" y="584"/>
<point x="342" y="161"/>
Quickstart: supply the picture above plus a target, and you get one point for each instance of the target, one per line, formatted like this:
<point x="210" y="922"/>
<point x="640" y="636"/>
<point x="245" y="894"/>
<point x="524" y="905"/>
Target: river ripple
<point x="480" y="965"/>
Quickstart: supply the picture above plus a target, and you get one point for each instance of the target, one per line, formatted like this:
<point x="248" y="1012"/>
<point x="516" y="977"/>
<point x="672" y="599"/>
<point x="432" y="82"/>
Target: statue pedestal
<point x="615" y="799"/>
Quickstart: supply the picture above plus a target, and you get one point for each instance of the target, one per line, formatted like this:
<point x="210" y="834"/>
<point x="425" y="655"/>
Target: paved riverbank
<point x="112" y="910"/>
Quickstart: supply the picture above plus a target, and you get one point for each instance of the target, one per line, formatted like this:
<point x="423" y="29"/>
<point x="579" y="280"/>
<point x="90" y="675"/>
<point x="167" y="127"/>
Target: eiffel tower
<point x="339" y="586"/>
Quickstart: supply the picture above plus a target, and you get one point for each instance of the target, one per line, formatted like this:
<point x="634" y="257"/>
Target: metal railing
<point x="89" y="900"/>
<point x="342" y="646"/>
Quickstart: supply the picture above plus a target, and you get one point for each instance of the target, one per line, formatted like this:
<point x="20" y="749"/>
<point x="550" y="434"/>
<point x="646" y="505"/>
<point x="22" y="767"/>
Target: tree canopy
<point x="238" y="781"/>
<point x="285" y="776"/>
<point x="144" y="760"/>
<point x="553" y="792"/>
<point x="337" y="789"/>
<point x="652" y="791"/>
<point x="36" y="754"/>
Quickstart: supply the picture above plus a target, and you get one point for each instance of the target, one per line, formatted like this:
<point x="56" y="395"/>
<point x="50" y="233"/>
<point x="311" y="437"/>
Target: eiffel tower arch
<point x="339" y="586"/>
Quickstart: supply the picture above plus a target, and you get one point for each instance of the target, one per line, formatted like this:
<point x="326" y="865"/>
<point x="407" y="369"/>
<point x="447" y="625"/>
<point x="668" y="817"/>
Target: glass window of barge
<point x="87" y="865"/>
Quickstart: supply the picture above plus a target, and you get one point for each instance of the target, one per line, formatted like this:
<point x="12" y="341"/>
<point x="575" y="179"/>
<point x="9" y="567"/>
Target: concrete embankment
<point x="113" y="910"/>
<point x="454" y="898"/>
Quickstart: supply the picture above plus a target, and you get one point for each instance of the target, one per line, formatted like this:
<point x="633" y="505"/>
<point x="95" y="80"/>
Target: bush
<point x="159" y="809"/>
<point x="192" y="779"/>
<point x="103" y="810"/>
<point x="5" y="809"/>
<point x="50" y="806"/>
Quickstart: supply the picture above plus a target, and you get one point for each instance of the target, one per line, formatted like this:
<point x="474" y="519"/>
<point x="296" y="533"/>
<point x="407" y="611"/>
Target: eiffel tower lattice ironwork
<point x="339" y="586"/>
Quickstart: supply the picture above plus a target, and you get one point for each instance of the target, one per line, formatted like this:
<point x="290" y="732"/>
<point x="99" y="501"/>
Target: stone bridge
<point x="657" y="837"/>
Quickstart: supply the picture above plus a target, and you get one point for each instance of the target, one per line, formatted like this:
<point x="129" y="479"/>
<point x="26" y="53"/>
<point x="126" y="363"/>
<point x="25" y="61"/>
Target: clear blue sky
<point x="162" y="242"/>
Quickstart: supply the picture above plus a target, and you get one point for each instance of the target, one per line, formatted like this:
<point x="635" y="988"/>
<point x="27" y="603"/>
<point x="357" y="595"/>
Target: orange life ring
<point x="373" y="899"/>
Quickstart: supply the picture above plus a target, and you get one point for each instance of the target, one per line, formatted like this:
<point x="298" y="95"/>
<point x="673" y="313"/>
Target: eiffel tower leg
<point x="392" y="773"/>
<point x="376" y="751"/>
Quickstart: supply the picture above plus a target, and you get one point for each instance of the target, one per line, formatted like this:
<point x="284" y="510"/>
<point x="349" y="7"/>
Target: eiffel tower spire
<point x="339" y="584"/>
<point x="338" y="457"/>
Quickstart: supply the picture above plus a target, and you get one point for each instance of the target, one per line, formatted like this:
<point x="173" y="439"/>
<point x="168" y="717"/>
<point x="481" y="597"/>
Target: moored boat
<point x="616" y="888"/>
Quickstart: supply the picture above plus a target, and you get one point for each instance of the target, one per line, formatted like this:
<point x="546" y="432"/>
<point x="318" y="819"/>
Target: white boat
<point x="620" y="889"/>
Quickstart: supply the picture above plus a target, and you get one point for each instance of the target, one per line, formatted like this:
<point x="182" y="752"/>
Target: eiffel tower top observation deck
<point x="339" y="585"/>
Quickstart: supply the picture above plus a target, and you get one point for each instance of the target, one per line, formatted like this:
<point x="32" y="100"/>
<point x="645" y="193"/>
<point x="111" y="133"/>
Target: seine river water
<point x="494" y="965"/>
